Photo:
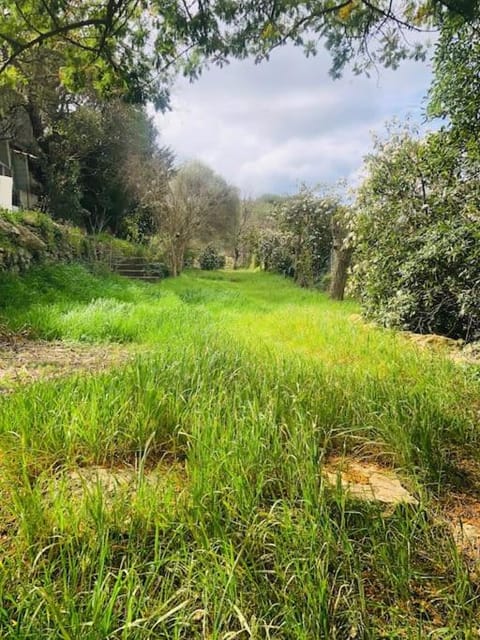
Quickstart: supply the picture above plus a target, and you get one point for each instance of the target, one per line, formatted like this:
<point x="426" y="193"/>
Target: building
<point x="18" y="188"/>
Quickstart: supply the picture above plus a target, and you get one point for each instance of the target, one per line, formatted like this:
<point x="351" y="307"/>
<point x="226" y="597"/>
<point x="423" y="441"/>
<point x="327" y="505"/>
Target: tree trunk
<point x="172" y="259"/>
<point x="342" y="256"/>
<point x="341" y="261"/>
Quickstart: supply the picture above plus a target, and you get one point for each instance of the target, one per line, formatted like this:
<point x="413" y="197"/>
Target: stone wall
<point x="30" y="237"/>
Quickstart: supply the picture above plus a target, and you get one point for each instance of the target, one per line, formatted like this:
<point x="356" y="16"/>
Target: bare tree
<point x="199" y="204"/>
<point x="190" y="203"/>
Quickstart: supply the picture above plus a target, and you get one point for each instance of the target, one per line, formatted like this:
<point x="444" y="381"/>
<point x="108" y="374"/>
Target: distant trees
<point x="305" y="221"/>
<point x="193" y="203"/>
<point x="199" y="205"/>
<point x="299" y="240"/>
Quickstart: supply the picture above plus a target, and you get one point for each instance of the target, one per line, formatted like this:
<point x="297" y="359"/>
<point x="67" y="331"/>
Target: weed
<point x="249" y="385"/>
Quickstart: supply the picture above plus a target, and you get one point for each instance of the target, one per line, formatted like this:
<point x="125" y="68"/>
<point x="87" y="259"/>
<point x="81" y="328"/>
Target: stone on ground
<point x="367" y="481"/>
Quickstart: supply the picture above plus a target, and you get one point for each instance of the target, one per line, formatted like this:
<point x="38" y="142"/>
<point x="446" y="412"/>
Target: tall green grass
<point x="251" y="384"/>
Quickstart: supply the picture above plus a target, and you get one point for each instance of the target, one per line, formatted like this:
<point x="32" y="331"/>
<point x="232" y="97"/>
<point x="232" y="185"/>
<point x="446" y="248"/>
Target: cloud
<point x="268" y="127"/>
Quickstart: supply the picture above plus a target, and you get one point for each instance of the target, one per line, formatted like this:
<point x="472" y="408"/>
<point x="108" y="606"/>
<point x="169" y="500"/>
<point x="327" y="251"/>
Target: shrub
<point x="418" y="238"/>
<point x="211" y="259"/>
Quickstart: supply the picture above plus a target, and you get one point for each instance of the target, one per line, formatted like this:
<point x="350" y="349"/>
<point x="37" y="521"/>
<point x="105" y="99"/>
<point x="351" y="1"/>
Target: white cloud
<point x="268" y="127"/>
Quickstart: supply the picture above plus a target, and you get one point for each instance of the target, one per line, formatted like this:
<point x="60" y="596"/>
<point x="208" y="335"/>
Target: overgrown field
<point x="217" y="521"/>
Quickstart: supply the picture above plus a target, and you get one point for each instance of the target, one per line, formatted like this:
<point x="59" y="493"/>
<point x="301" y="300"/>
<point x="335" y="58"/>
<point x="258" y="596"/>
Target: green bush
<point x="300" y="243"/>
<point x="418" y="238"/>
<point x="210" y="259"/>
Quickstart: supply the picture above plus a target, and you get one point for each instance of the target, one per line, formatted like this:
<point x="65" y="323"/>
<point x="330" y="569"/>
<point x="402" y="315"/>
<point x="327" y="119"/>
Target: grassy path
<point x="244" y="386"/>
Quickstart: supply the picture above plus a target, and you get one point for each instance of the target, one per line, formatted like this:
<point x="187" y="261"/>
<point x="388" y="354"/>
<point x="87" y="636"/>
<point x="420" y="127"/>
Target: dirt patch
<point x="24" y="361"/>
<point x="113" y="481"/>
<point x="469" y="354"/>
<point x="367" y="481"/>
<point x="461" y="511"/>
<point x="467" y="540"/>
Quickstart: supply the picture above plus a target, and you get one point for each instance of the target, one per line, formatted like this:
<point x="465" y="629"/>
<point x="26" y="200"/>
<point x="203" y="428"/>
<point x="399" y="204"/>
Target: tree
<point x="192" y="204"/>
<point x="199" y="205"/>
<point x="90" y="154"/>
<point x="455" y="91"/>
<point x="126" y="47"/>
<point x="101" y="44"/>
<point x="305" y="220"/>
<point x="417" y="236"/>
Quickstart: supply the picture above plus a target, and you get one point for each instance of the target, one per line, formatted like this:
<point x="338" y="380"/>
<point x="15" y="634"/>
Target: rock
<point x="8" y="229"/>
<point x="462" y="514"/>
<point x="20" y="235"/>
<point x="367" y="481"/>
<point x="467" y="537"/>
<point x="120" y="480"/>
<point x="467" y="540"/>
<point x="30" y="240"/>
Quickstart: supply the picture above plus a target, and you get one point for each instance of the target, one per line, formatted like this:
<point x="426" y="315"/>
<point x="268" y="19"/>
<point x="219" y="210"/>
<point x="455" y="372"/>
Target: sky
<point x="267" y="128"/>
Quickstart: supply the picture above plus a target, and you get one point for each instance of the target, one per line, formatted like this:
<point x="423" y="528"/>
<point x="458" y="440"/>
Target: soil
<point x="25" y="361"/>
<point x="165" y="475"/>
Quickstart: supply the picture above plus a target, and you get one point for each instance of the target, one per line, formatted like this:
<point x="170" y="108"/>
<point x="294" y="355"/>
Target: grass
<point x="250" y="384"/>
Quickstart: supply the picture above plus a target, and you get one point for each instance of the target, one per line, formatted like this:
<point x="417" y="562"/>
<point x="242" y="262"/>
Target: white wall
<point x="6" y="186"/>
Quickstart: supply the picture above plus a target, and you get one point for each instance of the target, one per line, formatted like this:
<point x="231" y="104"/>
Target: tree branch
<point x="74" y="26"/>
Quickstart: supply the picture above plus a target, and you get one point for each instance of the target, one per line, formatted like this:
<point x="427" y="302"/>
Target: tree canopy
<point x="129" y="47"/>
<point x="455" y="92"/>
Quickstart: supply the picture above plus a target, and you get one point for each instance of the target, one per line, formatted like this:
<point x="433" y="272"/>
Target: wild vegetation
<point x="227" y="527"/>
<point x="176" y="468"/>
<point x="97" y="161"/>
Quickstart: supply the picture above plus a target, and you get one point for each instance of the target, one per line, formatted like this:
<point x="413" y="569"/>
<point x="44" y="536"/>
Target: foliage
<point x="302" y="245"/>
<point x="273" y="252"/>
<point x="127" y="47"/>
<point x="417" y="236"/>
<point x="100" y="45"/>
<point x="194" y="203"/>
<point x="90" y="154"/>
<point x="455" y="91"/>
<point x="210" y="259"/>
<point x="82" y="147"/>
<point x="254" y="230"/>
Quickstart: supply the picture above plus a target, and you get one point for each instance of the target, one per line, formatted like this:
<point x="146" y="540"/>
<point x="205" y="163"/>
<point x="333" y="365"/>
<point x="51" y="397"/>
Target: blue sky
<point x="269" y="127"/>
